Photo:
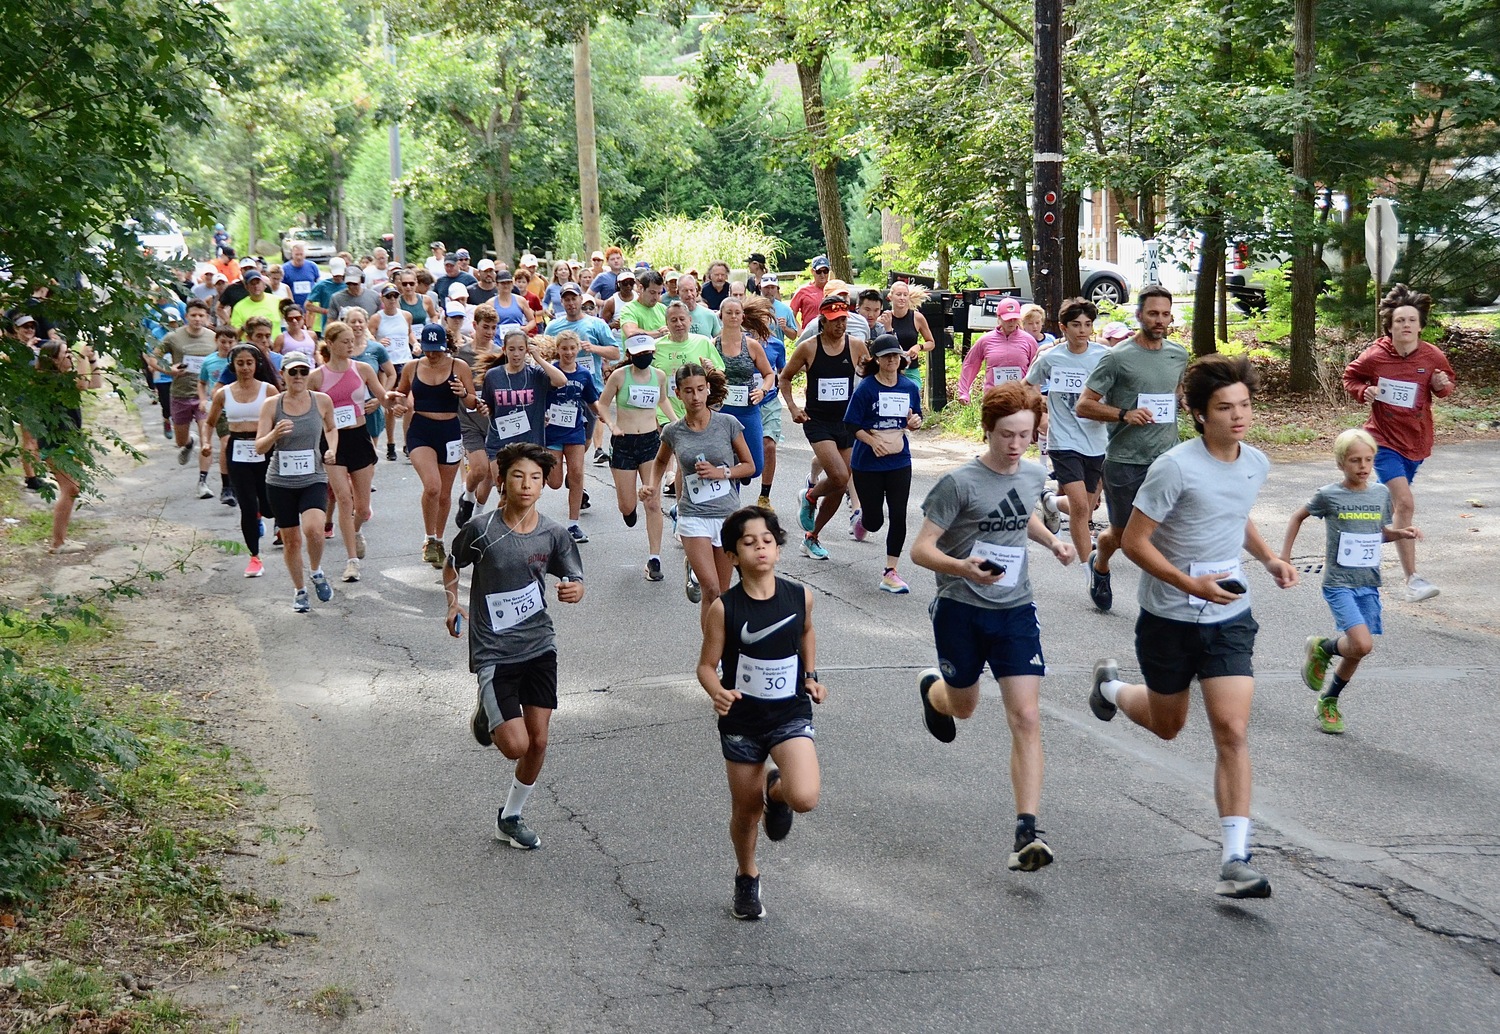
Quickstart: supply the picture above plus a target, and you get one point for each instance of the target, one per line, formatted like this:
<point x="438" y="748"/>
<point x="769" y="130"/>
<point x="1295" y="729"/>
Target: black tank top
<point x="905" y="329"/>
<point x="830" y="383"/>
<point x="433" y="398"/>
<point x="763" y="655"/>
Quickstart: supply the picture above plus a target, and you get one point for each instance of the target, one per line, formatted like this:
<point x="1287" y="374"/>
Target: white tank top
<point x="395" y="328"/>
<point x="243" y="412"/>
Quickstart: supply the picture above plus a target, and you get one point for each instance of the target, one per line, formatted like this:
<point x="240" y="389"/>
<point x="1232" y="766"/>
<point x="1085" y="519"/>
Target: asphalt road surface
<point x="890" y="907"/>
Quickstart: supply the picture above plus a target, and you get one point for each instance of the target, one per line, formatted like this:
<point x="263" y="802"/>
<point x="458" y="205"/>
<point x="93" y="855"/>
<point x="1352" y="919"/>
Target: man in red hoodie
<point x="1399" y="375"/>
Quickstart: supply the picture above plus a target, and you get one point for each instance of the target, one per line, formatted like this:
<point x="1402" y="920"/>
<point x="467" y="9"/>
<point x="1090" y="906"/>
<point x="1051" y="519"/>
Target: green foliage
<point x="686" y="242"/>
<point x="567" y="235"/>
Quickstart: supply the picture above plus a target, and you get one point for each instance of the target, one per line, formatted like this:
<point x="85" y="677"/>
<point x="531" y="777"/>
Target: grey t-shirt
<point x="715" y="443"/>
<point x="975" y="505"/>
<point x="1364" y="516"/>
<point x="510" y="586"/>
<point x="1062" y="375"/>
<point x="347" y="299"/>
<point x="1127" y="372"/>
<point x="1201" y="506"/>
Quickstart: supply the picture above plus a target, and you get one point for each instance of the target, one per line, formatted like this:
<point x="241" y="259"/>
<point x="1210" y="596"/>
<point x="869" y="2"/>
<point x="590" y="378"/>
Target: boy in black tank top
<point x="761" y="630"/>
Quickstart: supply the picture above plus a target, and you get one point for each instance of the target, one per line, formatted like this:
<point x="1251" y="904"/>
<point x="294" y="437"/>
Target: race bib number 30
<point x="766" y="680"/>
<point x="1401" y="394"/>
<point x="294" y="462"/>
<point x="508" y="609"/>
<point x="1359" y="549"/>
<point x="1163" y="407"/>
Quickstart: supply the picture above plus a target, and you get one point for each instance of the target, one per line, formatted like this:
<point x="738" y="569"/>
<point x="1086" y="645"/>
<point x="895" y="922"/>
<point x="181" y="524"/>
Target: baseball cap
<point x="220" y="278"/>
<point x="433" y="337"/>
<point x="246" y="262"/>
<point x="295" y="359"/>
<point x="504" y="276"/>
<point x="769" y="280"/>
<point x="756" y="256"/>
<point x="435" y="245"/>
<point x="669" y="274"/>
<point x="821" y="262"/>
<point x="452" y="309"/>
<point x="355" y="274"/>
<point x="390" y="290"/>
<point x="485" y="264"/>
<point x="253" y="274"/>
<point x="529" y="261"/>
<point x="337" y="267"/>
<point x="597" y="255"/>
<point x="885" y="344"/>
<point x="570" y="288"/>
<point x="1116" y="331"/>
<point x="833" y="307"/>
<point x="26" y="318"/>
<point x="462" y="253"/>
<point x="1009" y="308"/>
<point x="458" y="291"/>
<point x="837" y="288"/>
<point x="450" y="259"/>
<point x="625" y="274"/>
<point x="638" y="343"/>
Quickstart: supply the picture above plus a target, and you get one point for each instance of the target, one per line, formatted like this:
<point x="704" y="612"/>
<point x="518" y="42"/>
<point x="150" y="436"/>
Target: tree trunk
<point x="588" y="152"/>
<point x="944" y="270"/>
<point x="892" y="240"/>
<point x="254" y="199"/>
<point x="1205" y="294"/>
<point x="1304" y="372"/>
<point x="825" y="169"/>
<point x="492" y="208"/>
<point x="336" y="223"/>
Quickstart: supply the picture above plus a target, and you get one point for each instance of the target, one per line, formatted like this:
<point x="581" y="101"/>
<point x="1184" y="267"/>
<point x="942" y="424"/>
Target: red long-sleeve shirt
<point x="1403" y="420"/>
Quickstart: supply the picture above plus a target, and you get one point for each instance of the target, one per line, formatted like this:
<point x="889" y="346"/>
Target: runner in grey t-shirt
<point x="512" y="647"/>
<point x="979" y="519"/>
<point x="1190" y="525"/>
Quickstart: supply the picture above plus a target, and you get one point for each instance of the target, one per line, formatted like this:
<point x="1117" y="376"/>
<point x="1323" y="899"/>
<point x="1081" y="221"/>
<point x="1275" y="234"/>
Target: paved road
<point x="890" y="908"/>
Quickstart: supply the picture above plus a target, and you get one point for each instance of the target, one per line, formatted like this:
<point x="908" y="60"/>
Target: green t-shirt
<point x="670" y="355"/>
<point x="246" y="308"/>
<point x="1125" y="374"/>
<point x="705" y="321"/>
<point x="191" y="350"/>
<point x="646" y="319"/>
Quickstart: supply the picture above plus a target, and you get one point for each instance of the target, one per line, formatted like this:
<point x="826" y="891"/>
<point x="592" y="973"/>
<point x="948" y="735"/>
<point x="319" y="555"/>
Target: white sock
<point x="516" y="799"/>
<point x="1111" y="690"/>
<point x="655" y="556"/>
<point x="1049" y="502"/>
<point x="318" y="573"/>
<point x="1236" y="837"/>
<point x="468" y="496"/>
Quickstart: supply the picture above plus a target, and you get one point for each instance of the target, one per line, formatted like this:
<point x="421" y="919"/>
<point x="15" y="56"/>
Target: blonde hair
<point x="1347" y="439"/>
<point x="1027" y="310"/>
<point x="546" y="345"/>
<point x="331" y="334"/>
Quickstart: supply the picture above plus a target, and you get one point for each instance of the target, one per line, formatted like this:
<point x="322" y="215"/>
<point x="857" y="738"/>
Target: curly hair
<point x="1399" y="297"/>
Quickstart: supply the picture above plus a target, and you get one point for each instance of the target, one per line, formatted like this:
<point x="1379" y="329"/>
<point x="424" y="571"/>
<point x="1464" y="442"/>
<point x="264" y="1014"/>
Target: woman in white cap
<point x="639" y="392"/>
<point x="393" y="326"/>
<point x="436" y="388"/>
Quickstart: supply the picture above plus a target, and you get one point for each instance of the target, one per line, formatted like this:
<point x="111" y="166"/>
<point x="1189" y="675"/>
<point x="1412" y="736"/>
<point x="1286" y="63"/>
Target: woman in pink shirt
<point x="1007" y="352"/>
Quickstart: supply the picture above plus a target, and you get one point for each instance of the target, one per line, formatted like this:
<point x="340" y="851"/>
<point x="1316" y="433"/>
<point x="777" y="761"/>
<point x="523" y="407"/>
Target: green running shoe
<point x="1315" y="667"/>
<point x="1329" y="719"/>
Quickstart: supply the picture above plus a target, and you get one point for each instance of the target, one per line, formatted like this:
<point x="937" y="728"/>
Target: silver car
<point x="314" y="239"/>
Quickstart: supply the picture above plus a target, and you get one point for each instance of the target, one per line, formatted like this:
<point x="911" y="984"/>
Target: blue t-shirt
<point x="776" y="355"/>
<point x="552" y="298"/>
<point x="212" y="369"/>
<point x="781" y="310"/>
<point x="567" y="403"/>
<point x="301" y="281"/>
<point x="590" y="330"/>
<point x="865" y="413"/>
<point x="603" y="286"/>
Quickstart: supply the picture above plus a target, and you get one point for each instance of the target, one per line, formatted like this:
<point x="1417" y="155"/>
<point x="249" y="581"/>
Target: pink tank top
<point x="345" y="389"/>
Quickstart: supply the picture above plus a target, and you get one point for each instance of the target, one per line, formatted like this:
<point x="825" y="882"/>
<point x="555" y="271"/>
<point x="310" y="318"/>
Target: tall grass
<point x="684" y="241"/>
<point x="567" y="236"/>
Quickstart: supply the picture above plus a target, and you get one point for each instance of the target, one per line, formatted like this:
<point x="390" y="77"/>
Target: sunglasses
<point x="297" y="371"/>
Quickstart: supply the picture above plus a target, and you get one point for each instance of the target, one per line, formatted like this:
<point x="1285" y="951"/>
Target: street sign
<point x="1382" y="238"/>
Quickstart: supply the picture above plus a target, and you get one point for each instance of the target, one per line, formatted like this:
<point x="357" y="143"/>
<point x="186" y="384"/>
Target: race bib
<point x="1359" y="549"/>
<point x="1163" y="407"/>
<point x="301" y="287"/>
<point x="399" y="351"/>
<point x="833" y="389"/>
<point x="512" y="425"/>
<point x="1003" y="374"/>
<point x="1402" y="394"/>
<point x="1067" y="382"/>
<point x="1220" y="569"/>
<point x="455" y="450"/>
<point x="893" y="403"/>
<point x="194" y="363"/>
<point x="508" y="609"/>
<point x="643" y="396"/>
<point x="766" y="680"/>
<point x="737" y="395"/>
<point x="244" y="451"/>
<point x="563" y="414"/>
<point x="294" y="462"/>
<point x="344" y="416"/>
<point x="1011" y="559"/>
<point x="703" y="490"/>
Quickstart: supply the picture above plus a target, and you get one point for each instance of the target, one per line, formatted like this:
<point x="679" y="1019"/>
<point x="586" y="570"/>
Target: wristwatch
<point x="813" y="674"/>
<point x="1121" y="418"/>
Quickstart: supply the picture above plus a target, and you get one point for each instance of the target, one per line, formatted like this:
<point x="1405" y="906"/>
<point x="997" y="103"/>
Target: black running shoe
<point x="585" y="504"/>
<point x="1106" y="670"/>
<point x="464" y="512"/>
<point x="479" y="726"/>
<point x="670" y="491"/>
<point x="942" y="726"/>
<point x="630" y="518"/>
<point x="778" y="814"/>
<point x="747" y="898"/>
<point x="653" y="570"/>
<point x="390" y="451"/>
<point x="227" y="497"/>
<point x="600" y="457"/>
<point x="1099" y="587"/>
<point x="1031" y="851"/>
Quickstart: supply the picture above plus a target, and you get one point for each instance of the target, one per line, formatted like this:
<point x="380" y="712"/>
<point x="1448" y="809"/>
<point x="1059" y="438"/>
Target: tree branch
<point x="1006" y="20"/>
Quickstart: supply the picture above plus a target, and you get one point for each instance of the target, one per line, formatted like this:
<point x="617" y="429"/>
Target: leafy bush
<point x="686" y="242"/>
<point x="51" y="739"/>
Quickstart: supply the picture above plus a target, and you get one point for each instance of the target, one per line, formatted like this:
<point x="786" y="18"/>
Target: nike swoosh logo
<point x="750" y="638"/>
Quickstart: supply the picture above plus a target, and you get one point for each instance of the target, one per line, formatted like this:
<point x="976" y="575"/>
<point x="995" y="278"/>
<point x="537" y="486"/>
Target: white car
<point x="1101" y="281"/>
<point x="160" y="237"/>
<point x="319" y="248"/>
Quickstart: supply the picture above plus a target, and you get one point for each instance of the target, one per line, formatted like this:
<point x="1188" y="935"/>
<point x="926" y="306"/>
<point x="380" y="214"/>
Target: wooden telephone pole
<point x="1047" y="246"/>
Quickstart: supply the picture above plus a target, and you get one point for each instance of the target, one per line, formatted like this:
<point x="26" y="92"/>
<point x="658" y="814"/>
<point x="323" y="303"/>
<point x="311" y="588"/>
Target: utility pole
<point x="588" y="158"/>
<point x="1046" y="176"/>
<point x="398" y="203"/>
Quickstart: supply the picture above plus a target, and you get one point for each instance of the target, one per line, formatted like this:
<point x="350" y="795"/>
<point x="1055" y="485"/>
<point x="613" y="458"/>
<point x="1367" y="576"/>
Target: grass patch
<point x="334" y="1002"/>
